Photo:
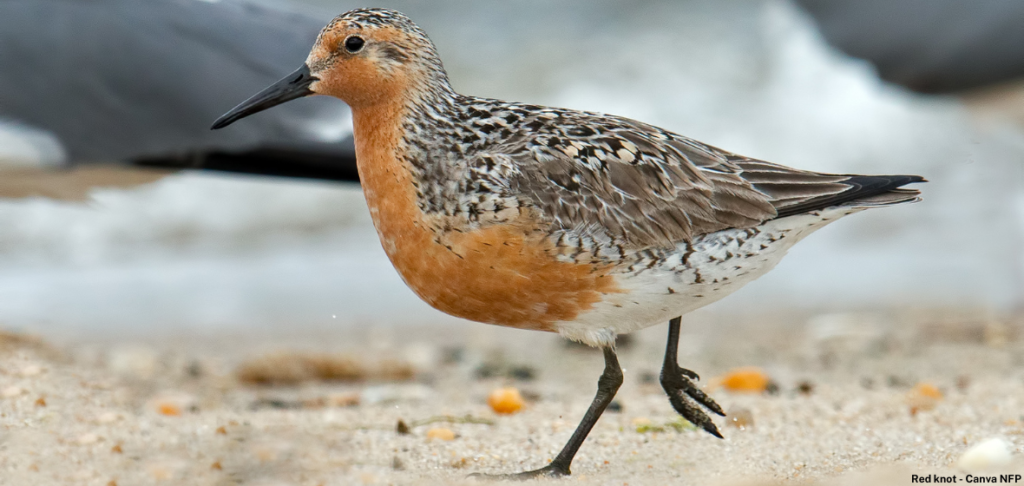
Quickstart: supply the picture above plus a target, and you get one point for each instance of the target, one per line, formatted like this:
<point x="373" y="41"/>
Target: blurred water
<point x="22" y="146"/>
<point x="753" y="77"/>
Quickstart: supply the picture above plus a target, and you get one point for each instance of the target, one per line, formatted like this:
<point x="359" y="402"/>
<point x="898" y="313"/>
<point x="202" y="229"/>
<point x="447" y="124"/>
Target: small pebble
<point x="31" y="370"/>
<point x="739" y="417"/>
<point x="440" y="433"/>
<point x="924" y="396"/>
<point x="963" y="382"/>
<point x="402" y="428"/>
<point x="11" y="391"/>
<point x="989" y="454"/>
<point x="194" y="370"/>
<point x="268" y="451"/>
<point x="505" y="400"/>
<point x="896" y="382"/>
<point x="173" y="404"/>
<point x="275" y="403"/>
<point x="168" y="409"/>
<point x="486" y="370"/>
<point x="88" y="439"/>
<point x="452" y="354"/>
<point x="459" y="463"/>
<point x="522" y="373"/>
<point x="749" y="380"/>
<point x="134" y="361"/>
<point x="160" y="471"/>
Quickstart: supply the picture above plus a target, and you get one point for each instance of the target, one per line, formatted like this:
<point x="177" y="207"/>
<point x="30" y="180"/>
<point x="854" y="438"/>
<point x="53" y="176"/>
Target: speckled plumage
<point x="647" y="207"/>
<point x="580" y="223"/>
<point x="612" y="184"/>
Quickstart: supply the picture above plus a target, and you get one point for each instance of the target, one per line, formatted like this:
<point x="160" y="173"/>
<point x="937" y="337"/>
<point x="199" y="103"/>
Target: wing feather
<point x="643" y="187"/>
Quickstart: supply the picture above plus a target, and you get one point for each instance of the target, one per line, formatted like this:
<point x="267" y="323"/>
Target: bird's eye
<point x="354" y="44"/>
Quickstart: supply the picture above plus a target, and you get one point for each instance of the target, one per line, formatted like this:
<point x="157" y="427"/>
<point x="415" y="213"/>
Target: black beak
<point x="295" y="85"/>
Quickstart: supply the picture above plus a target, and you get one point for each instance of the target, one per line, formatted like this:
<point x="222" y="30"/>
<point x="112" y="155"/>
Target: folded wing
<point x="646" y="187"/>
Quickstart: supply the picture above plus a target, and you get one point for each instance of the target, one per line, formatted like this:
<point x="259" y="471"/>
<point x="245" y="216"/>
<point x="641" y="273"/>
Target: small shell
<point x="992" y="453"/>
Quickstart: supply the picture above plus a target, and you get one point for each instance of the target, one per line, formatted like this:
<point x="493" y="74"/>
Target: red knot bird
<point x="584" y="224"/>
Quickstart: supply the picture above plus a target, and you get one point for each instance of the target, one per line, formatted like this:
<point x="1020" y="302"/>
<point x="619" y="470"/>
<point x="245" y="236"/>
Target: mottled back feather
<point x="640" y="186"/>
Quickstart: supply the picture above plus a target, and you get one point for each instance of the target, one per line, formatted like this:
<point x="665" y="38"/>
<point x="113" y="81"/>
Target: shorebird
<point x="584" y="224"/>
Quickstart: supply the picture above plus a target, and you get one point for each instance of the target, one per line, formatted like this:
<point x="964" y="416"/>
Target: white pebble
<point x="133" y="361"/>
<point x="88" y="439"/>
<point x="31" y="370"/>
<point x="988" y="454"/>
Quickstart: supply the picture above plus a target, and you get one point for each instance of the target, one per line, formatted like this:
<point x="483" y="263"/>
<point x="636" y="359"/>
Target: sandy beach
<point x="321" y="407"/>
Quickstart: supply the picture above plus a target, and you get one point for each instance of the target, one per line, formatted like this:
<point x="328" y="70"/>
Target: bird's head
<point x="365" y="57"/>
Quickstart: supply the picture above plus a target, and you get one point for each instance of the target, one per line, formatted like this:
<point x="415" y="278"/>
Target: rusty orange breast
<point x="502" y="274"/>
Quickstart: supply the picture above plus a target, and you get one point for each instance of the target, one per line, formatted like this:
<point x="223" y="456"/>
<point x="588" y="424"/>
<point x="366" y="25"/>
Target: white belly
<point x="672" y="283"/>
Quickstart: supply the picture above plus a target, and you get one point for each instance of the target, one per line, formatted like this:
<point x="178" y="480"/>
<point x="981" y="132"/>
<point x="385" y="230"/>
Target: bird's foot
<point x="682" y="393"/>
<point x="553" y="470"/>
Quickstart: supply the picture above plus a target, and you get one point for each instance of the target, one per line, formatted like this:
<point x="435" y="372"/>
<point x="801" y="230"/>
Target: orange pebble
<point x="168" y="409"/>
<point x="927" y="390"/>
<point x="749" y="379"/>
<point x="441" y="434"/>
<point x="505" y="400"/>
<point x="924" y="396"/>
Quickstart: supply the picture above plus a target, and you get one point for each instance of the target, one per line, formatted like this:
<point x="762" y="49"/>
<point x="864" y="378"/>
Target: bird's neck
<point x="387" y="177"/>
<point x="394" y="140"/>
<point x="384" y="175"/>
<point x="394" y="137"/>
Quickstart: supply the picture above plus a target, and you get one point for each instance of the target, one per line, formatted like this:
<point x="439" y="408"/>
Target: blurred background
<point x="183" y="306"/>
<point x="122" y="214"/>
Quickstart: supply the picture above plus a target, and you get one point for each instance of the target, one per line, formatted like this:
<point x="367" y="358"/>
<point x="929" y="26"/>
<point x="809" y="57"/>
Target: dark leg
<point x="607" y="385"/>
<point x="680" y="390"/>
